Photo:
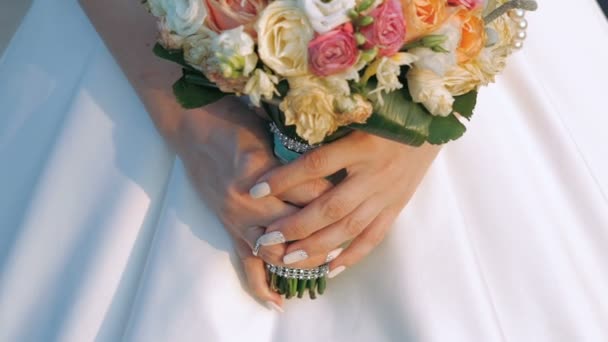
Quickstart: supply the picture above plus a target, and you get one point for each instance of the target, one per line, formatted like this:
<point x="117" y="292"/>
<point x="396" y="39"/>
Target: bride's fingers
<point x="273" y="212"/>
<point x="327" y="241"/>
<point x="256" y="276"/>
<point x="318" y="163"/>
<point x="365" y="243"/>
<point x="270" y="254"/>
<point x="251" y="232"/>
<point x="302" y="195"/>
<point x="333" y="206"/>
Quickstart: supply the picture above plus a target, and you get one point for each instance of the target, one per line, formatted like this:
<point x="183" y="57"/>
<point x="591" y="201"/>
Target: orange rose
<point x="422" y="17"/>
<point x="473" y="36"/>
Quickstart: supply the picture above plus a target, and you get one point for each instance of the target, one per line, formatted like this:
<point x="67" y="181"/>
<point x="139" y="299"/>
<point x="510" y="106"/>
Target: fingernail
<point x="295" y="256"/>
<point x="273" y="306"/>
<point x="334" y="273"/>
<point x="272" y="238"/>
<point x="260" y="190"/>
<point x="333" y="254"/>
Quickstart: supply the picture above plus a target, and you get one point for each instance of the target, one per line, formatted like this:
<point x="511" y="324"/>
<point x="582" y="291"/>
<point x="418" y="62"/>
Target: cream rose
<point x="326" y="15"/>
<point x="318" y="106"/>
<point x="283" y="36"/>
<point x="310" y="107"/>
<point x="428" y="88"/>
<point x="184" y="17"/>
<point x="314" y="119"/>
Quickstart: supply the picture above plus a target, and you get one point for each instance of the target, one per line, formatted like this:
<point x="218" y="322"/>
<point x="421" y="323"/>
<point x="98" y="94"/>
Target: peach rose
<point x="423" y="17"/>
<point x="472" y="38"/>
<point x="228" y="14"/>
<point x="333" y="52"/>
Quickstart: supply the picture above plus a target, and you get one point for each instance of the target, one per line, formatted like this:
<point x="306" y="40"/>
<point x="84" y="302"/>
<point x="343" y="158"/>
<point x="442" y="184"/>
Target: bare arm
<point x="224" y="146"/>
<point x="130" y="32"/>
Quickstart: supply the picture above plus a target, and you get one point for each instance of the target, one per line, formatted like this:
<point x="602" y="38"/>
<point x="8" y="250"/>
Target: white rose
<point x="428" y="88"/>
<point x="283" y="36"/>
<point x="326" y="15"/>
<point x="261" y="85"/>
<point x="236" y="48"/>
<point x="440" y="62"/>
<point x="184" y="17"/>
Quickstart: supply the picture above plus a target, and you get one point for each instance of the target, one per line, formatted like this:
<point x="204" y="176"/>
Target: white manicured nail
<point x="334" y="273"/>
<point x="295" y="256"/>
<point x="260" y="190"/>
<point x="273" y="306"/>
<point x="334" y="254"/>
<point x="272" y="238"/>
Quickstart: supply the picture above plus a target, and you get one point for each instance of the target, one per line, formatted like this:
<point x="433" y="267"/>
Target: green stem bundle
<point x="291" y="287"/>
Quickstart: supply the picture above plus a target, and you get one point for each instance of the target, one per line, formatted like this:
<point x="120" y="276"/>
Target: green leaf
<point x="399" y="119"/>
<point x="176" y="56"/>
<point x="465" y="104"/>
<point x="283" y="88"/>
<point x="197" y="77"/>
<point x="445" y="129"/>
<point x="191" y="95"/>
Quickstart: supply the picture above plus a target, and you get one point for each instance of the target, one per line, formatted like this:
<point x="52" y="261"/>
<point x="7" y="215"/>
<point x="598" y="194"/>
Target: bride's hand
<point x="382" y="177"/>
<point x="225" y="148"/>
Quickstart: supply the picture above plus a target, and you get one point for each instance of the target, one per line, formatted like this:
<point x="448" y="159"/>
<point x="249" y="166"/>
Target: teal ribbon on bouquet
<point x="284" y="154"/>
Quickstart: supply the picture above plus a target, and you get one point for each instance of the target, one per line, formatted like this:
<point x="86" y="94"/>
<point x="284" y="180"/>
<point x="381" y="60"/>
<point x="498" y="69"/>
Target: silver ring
<point x="256" y="248"/>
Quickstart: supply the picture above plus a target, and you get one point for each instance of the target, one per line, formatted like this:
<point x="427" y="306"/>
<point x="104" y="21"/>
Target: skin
<point x="225" y="148"/>
<point x="382" y="177"/>
<point x="130" y="32"/>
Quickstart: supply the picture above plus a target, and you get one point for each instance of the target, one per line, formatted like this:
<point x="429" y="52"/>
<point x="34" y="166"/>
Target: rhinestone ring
<point x="256" y="248"/>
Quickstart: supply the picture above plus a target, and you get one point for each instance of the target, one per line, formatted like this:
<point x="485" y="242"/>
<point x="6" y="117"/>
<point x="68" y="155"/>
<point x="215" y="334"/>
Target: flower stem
<point x="301" y="287"/>
<point x="322" y="285"/>
<point x="273" y="282"/>
<point x="282" y="285"/>
<point x="312" y="288"/>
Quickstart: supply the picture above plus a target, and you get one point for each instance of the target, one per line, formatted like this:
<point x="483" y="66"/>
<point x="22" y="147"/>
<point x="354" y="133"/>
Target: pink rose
<point x="229" y="14"/>
<point x="387" y="32"/>
<point x="333" y="52"/>
<point x="470" y="4"/>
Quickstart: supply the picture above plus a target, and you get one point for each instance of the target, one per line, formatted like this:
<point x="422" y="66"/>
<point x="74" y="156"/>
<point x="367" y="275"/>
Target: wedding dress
<point x="102" y="237"/>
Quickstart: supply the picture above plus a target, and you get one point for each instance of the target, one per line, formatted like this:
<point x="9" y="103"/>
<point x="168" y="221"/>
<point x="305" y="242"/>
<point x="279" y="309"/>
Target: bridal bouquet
<point x="406" y="70"/>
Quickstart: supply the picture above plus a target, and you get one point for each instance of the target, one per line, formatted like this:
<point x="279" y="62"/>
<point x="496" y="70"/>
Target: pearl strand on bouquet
<point x="516" y="10"/>
<point x="518" y="16"/>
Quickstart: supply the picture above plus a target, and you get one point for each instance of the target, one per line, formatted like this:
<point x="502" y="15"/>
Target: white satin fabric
<point x="102" y="237"/>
